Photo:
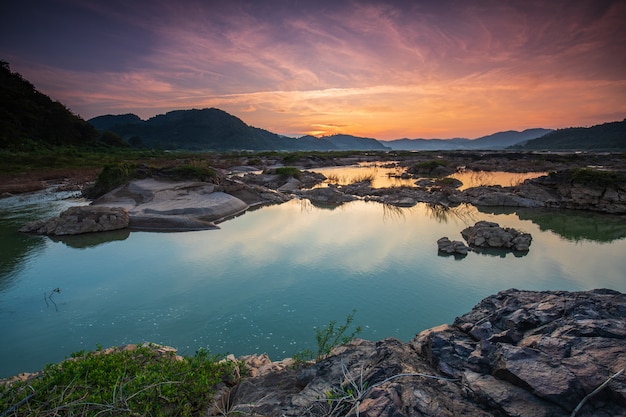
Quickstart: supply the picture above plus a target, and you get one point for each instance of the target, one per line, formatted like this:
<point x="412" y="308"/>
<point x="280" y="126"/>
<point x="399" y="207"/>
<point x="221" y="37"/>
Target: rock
<point x="172" y="206"/>
<point x="81" y="219"/>
<point x="326" y="195"/>
<point x="490" y="235"/>
<point x="517" y="353"/>
<point x="498" y="198"/>
<point x="446" y="245"/>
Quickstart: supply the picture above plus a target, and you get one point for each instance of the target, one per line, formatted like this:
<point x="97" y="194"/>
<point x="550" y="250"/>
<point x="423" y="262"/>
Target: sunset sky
<point x="382" y="69"/>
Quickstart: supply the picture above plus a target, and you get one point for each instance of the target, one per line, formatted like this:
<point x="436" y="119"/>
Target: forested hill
<point x="607" y="136"/>
<point x="215" y="129"/>
<point x="205" y="129"/>
<point x="31" y="120"/>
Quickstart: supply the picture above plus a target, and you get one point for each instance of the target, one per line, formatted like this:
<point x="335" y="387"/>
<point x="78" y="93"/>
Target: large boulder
<point x="172" y="206"/>
<point x="486" y="234"/>
<point x="80" y="219"/>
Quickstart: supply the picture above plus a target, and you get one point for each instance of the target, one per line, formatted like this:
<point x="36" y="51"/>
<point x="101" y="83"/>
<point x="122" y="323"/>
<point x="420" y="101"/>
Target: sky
<point x="383" y="69"/>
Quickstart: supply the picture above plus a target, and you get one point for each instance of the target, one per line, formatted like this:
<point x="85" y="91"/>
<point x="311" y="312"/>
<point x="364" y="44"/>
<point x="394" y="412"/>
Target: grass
<point x="597" y="178"/>
<point x="141" y="381"/>
<point x="329" y="337"/>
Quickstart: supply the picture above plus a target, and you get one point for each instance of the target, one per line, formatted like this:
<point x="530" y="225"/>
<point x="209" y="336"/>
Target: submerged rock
<point x="490" y="235"/>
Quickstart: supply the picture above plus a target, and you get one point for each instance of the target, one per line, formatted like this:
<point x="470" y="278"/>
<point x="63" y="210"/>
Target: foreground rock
<point x="81" y="219"/>
<point x="490" y="235"/>
<point x="517" y="353"/>
<point x="147" y="204"/>
<point x="165" y="205"/>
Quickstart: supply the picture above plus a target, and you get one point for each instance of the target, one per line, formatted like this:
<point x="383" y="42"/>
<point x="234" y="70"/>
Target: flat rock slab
<point x="146" y="204"/>
<point x="172" y="206"/>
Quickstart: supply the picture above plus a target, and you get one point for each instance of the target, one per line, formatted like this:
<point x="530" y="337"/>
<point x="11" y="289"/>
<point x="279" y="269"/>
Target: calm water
<point x="264" y="280"/>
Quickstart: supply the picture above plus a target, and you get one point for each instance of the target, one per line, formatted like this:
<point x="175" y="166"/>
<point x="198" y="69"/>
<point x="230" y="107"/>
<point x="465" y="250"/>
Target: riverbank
<point x="516" y="353"/>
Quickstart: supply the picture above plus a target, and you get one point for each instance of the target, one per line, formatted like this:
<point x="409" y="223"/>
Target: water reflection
<point x="572" y="225"/>
<point x="466" y="213"/>
<point x="265" y="280"/>
<point x="472" y="179"/>
<point x="90" y="240"/>
<point x="381" y="176"/>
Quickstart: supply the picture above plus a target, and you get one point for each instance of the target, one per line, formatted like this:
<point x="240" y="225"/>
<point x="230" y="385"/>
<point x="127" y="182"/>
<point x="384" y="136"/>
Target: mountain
<point x="107" y="122"/>
<point x="498" y="140"/>
<point x="607" y="136"/>
<point x="348" y="142"/>
<point x="31" y="120"/>
<point x="217" y="130"/>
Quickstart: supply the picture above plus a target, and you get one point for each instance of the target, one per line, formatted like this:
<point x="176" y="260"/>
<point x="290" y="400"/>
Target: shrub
<point x="287" y="172"/>
<point x="191" y="171"/>
<point x="329" y="337"/>
<point x="113" y="176"/>
<point x="143" y="381"/>
<point x="597" y="178"/>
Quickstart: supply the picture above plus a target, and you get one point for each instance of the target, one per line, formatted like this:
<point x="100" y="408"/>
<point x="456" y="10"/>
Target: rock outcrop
<point x="80" y="219"/>
<point x="517" y="353"/>
<point x="448" y="246"/>
<point x="490" y="235"/>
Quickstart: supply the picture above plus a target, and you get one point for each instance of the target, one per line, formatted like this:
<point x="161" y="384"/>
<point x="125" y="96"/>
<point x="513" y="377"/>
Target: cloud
<point x="371" y="68"/>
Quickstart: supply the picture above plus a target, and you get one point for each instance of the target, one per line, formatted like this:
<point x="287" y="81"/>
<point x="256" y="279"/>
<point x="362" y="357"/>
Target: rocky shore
<point x="517" y="353"/>
<point x="164" y="204"/>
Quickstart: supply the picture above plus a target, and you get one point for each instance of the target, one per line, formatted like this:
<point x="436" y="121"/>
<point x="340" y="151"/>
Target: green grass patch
<point x="143" y="382"/>
<point x="596" y="177"/>
<point x="287" y="172"/>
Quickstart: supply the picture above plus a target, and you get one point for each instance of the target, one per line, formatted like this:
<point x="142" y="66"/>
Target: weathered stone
<point x="490" y="235"/>
<point x="81" y="219"/>
<point x="446" y="245"/>
<point x="327" y="195"/>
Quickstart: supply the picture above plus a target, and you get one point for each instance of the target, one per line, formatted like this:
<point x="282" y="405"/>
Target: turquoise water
<point x="266" y="279"/>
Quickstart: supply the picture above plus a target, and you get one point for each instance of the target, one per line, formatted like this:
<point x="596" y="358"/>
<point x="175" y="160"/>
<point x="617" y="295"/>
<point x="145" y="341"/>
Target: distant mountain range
<point x="30" y="120"/>
<point x="498" y="140"/>
<point x="214" y="129"/>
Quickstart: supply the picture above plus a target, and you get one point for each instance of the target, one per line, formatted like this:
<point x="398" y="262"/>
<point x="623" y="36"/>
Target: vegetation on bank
<point x="593" y="177"/>
<point x="143" y="381"/>
<point x="114" y="175"/>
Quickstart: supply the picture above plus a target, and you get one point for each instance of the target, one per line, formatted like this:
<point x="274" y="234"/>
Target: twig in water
<point x="594" y="392"/>
<point x="57" y="290"/>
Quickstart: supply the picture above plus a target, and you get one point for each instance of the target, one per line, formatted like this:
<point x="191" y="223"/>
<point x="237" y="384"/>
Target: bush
<point x="113" y="176"/>
<point x="143" y="381"/>
<point x="329" y="337"/>
<point x="597" y="178"/>
<point x="191" y="171"/>
<point x="287" y="172"/>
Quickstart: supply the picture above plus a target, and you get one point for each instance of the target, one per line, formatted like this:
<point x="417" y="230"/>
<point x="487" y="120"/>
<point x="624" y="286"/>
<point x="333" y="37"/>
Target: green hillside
<point x="607" y="136"/>
<point x="31" y="120"/>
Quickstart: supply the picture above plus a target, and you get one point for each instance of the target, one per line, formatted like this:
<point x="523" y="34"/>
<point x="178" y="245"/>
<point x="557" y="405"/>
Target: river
<point x="265" y="280"/>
